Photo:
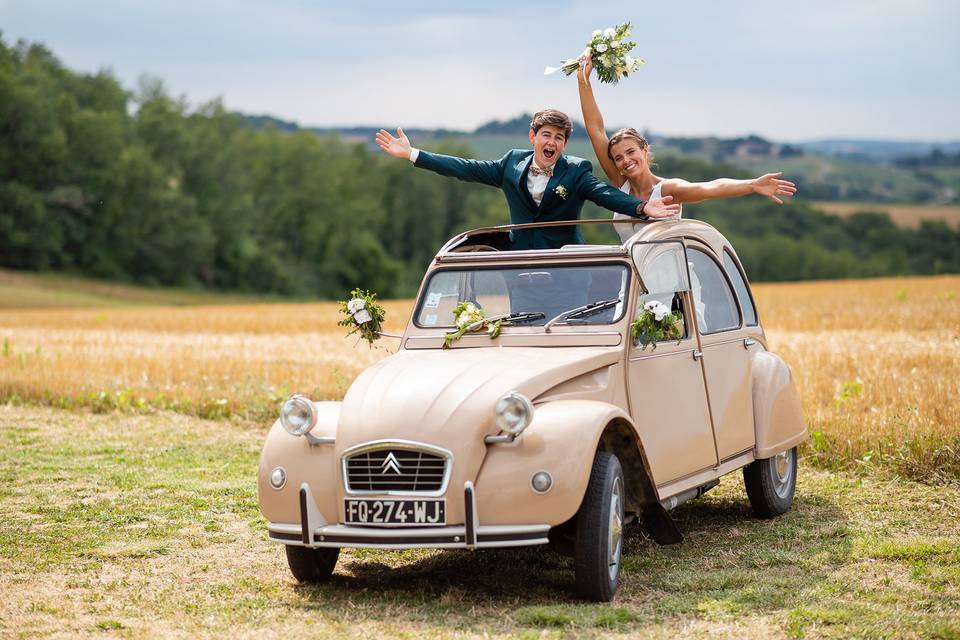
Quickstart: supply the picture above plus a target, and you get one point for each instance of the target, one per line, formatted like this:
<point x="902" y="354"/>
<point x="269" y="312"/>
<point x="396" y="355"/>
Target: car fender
<point x="562" y="439"/>
<point x="777" y="415"/>
<point x="303" y="462"/>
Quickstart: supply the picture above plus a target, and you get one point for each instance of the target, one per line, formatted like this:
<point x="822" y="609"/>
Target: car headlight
<point x="513" y="413"/>
<point x="298" y="415"/>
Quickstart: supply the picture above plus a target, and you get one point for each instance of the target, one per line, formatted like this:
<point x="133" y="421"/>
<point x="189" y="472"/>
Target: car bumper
<point x="313" y="531"/>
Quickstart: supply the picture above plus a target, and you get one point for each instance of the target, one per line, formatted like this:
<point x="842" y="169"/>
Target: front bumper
<point x="314" y="531"/>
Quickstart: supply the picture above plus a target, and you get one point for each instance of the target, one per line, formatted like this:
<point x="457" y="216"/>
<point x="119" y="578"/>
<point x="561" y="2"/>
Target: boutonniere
<point x="561" y="191"/>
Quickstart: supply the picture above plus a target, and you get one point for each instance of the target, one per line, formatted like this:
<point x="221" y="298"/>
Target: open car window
<point x="546" y="289"/>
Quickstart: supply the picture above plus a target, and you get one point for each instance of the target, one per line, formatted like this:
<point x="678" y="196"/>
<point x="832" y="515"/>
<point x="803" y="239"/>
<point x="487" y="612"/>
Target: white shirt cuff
<point x="414" y="154"/>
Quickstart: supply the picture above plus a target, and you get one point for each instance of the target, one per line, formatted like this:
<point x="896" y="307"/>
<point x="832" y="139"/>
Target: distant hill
<point x="841" y="170"/>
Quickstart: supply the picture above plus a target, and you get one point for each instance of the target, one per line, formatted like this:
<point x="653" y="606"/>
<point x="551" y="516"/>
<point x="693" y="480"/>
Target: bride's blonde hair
<point x="623" y="134"/>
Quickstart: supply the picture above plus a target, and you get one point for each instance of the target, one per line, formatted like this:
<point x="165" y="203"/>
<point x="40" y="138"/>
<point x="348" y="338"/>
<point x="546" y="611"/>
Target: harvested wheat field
<point x="877" y="362"/>
<point x="904" y="215"/>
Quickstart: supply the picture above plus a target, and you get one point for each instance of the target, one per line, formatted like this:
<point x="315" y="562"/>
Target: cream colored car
<point x="562" y="430"/>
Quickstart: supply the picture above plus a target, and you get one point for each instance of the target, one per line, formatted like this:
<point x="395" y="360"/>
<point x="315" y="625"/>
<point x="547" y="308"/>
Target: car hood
<point x="446" y="397"/>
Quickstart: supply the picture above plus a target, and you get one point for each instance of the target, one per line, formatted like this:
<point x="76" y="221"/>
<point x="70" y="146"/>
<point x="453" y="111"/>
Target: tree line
<point x="136" y="185"/>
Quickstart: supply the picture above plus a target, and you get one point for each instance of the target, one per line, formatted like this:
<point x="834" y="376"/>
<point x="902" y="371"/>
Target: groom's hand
<point x="398" y="147"/>
<point x="660" y="208"/>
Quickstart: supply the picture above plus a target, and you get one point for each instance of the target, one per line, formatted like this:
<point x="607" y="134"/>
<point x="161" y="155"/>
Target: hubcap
<point x="615" y="541"/>
<point x="783" y="470"/>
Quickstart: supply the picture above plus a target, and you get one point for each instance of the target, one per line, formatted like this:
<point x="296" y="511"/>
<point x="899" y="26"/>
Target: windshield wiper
<point x="507" y="318"/>
<point x="580" y="312"/>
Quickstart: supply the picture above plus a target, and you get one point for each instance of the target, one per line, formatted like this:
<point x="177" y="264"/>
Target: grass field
<point x="134" y="526"/>
<point x="128" y="513"/>
<point x="904" y="215"/>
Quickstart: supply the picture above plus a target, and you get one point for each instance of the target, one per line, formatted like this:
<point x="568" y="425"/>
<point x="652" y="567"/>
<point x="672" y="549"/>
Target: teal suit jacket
<point x="509" y="174"/>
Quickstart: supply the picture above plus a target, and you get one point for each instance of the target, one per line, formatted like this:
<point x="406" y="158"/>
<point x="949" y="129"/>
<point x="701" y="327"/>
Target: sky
<point x="789" y="71"/>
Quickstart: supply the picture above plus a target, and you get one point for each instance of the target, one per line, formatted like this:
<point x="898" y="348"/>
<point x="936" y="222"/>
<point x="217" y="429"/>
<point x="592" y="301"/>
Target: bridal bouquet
<point x="609" y="50"/>
<point x="657" y="323"/>
<point x="363" y="314"/>
<point x="470" y="317"/>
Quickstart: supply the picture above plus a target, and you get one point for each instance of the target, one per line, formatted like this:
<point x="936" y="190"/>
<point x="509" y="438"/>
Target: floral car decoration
<point x="363" y="314"/>
<point x="553" y="432"/>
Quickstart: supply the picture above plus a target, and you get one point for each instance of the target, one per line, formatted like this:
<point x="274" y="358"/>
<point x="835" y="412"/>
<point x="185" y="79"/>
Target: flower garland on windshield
<point x="468" y="316"/>
<point x="657" y="323"/>
<point x="363" y="314"/>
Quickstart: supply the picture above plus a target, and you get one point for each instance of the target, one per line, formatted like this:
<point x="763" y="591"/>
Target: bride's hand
<point x="771" y="186"/>
<point x="586" y="68"/>
<point x="398" y="147"/>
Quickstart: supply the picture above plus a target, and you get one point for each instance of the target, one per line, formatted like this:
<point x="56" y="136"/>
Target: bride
<point x="625" y="159"/>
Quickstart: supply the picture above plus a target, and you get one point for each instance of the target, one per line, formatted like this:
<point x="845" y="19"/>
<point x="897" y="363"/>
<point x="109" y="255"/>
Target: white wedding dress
<point x="627" y="230"/>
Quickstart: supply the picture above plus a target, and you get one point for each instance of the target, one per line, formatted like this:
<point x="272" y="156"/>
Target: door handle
<point x="748" y="342"/>
<point x="697" y="354"/>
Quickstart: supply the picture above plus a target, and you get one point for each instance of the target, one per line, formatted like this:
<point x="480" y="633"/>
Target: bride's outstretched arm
<point x="593" y="121"/>
<point x="769" y="185"/>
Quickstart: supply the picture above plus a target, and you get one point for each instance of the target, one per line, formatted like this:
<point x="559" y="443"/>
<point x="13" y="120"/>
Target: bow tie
<point x="537" y="171"/>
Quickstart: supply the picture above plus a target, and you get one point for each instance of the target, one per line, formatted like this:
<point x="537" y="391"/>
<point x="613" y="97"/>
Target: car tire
<point x="771" y="483"/>
<point x="311" y="565"/>
<point x="598" y="551"/>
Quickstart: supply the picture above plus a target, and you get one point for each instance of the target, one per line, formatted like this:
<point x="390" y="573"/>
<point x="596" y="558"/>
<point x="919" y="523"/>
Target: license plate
<point x="408" y="513"/>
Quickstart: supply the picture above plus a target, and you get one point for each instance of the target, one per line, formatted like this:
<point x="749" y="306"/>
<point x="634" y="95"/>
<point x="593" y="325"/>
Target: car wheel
<point x="599" y="545"/>
<point x="771" y="482"/>
<point x="311" y="565"/>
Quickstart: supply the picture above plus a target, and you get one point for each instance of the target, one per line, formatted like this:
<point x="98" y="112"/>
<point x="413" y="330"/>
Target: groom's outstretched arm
<point x="608" y="197"/>
<point x="484" y="171"/>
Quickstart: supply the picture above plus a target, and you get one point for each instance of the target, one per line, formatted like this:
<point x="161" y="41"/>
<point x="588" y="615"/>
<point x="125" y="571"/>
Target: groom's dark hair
<point x="554" y="118"/>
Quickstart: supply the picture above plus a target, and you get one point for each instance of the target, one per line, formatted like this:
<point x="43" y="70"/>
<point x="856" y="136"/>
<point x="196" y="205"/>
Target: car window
<point x="740" y="285"/>
<point x="712" y="297"/>
<point x="547" y="289"/>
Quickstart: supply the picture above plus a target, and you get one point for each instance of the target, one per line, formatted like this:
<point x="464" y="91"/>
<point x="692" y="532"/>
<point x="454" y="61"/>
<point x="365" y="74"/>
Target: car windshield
<point x="541" y="292"/>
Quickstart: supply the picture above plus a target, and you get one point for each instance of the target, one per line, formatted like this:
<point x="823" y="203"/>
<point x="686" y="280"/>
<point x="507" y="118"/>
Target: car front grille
<point x="394" y="469"/>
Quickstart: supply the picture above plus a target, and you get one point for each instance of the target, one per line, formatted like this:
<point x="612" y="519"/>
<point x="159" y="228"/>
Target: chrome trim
<point x="748" y="342"/>
<point x="537" y="491"/>
<point x="499" y="438"/>
<point x="270" y="478"/>
<point x="409" y="445"/>
<point x="519" y="535"/>
<point x="697" y="354"/>
<point x="318" y="440"/>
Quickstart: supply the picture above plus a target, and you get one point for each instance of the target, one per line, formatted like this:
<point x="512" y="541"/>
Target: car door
<point x="665" y="385"/>
<point x="725" y="356"/>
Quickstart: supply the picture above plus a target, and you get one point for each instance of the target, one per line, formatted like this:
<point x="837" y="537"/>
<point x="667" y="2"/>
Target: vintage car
<point x="562" y="429"/>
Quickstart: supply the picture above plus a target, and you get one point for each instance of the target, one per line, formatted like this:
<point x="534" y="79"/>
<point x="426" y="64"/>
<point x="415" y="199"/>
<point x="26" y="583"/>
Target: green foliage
<point x="649" y="331"/>
<point x="137" y="186"/>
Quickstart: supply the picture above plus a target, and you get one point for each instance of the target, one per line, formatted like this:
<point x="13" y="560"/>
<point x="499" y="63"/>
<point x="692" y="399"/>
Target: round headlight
<point x="513" y="413"/>
<point x="297" y="415"/>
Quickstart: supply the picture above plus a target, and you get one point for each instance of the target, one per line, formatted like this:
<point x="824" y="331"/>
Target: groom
<point x="541" y="185"/>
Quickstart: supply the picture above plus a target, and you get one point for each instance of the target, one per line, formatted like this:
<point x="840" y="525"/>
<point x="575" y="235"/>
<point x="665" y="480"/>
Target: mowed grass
<point x="877" y="363"/>
<point x="134" y="526"/>
<point x="904" y="215"/>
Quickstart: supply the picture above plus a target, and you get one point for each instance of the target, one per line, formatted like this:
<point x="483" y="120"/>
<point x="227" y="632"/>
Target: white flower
<point x="597" y="33"/>
<point x="608" y="60"/>
<point x="650" y="305"/>
<point x="356" y="304"/>
<point x="362" y="316"/>
<point x="628" y="60"/>
<point x="601" y="48"/>
<point x="464" y="318"/>
<point x="609" y="32"/>
<point x="616" y="44"/>
<point x="660" y="313"/>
